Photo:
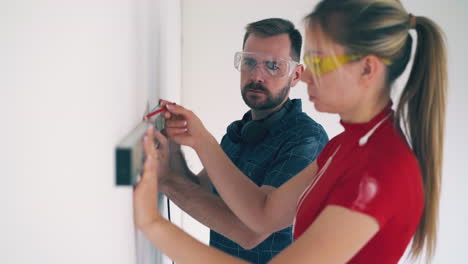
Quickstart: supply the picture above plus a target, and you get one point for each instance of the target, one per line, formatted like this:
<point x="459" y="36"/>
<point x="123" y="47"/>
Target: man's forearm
<point x="210" y="210"/>
<point x="179" y="165"/>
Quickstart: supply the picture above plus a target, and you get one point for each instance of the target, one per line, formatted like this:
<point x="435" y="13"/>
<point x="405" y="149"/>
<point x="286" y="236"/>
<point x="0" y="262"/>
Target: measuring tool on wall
<point x="129" y="153"/>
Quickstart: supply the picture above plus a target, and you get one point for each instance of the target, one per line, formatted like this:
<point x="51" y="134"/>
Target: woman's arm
<point x="171" y="240"/>
<point x="259" y="211"/>
<point x="335" y="236"/>
<point x="210" y="210"/>
<point x="181" y="247"/>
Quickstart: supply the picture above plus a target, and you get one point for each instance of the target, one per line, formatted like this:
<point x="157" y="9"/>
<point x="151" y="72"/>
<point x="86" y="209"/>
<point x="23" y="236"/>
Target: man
<point x="273" y="142"/>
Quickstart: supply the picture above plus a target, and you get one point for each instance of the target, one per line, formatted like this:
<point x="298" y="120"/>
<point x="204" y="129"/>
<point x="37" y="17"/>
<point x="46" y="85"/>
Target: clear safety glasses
<point x="271" y="66"/>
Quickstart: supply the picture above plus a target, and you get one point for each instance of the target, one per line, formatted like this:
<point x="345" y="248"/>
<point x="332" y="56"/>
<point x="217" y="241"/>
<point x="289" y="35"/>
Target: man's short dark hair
<point x="276" y="26"/>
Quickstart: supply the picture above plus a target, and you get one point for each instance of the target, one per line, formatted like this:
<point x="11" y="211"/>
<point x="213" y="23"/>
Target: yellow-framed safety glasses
<point x="321" y="65"/>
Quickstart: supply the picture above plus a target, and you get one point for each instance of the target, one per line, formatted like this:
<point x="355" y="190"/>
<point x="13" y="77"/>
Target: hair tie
<point x="412" y="21"/>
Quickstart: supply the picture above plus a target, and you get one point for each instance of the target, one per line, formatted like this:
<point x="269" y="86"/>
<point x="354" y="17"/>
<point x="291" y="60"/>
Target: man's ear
<point x="296" y="75"/>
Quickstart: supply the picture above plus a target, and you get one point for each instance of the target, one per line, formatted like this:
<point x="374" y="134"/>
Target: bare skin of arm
<point x="193" y="194"/>
<point x="210" y="210"/>
<point x="262" y="212"/>
<point x="179" y="165"/>
<point x="334" y="237"/>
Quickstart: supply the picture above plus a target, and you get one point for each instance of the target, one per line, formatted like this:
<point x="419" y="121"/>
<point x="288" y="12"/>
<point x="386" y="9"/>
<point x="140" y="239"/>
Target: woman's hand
<point x="145" y="204"/>
<point x="184" y="127"/>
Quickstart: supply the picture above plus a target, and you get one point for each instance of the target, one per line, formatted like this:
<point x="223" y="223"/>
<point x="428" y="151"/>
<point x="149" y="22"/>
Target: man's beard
<point x="270" y="102"/>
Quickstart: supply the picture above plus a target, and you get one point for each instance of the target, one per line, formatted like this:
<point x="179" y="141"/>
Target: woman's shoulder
<point x="392" y="156"/>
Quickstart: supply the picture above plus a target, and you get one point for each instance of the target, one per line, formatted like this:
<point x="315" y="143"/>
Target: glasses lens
<point x="277" y="68"/>
<point x="320" y="66"/>
<point x="247" y="64"/>
<point x="237" y="59"/>
<point x="312" y="64"/>
<point x="268" y="65"/>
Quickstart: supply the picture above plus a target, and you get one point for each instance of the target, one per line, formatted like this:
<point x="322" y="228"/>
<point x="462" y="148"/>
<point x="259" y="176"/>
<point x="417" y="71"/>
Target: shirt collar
<point x="362" y="128"/>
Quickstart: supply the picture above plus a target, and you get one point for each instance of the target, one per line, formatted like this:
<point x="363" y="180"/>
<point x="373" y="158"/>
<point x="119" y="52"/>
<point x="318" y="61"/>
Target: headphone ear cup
<point x="253" y="132"/>
<point x="234" y="131"/>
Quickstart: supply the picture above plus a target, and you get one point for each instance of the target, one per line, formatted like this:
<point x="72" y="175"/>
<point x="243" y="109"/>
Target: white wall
<point x="213" y="31"/>
<point x="75" y="77"/>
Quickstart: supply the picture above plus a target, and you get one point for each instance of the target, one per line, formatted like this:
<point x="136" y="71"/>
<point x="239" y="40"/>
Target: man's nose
<point x="257" y="75"/>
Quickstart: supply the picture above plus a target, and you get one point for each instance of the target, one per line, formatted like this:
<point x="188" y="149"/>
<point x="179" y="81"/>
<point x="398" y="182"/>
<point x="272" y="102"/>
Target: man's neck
<point x="261" y="114"/>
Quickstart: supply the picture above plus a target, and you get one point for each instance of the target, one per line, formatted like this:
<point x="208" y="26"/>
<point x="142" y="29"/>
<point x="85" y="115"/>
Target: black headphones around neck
<point x="254" y="131"/>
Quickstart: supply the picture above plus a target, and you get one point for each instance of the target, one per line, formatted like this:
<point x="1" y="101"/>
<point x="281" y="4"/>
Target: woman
<point x="370" y="193"/>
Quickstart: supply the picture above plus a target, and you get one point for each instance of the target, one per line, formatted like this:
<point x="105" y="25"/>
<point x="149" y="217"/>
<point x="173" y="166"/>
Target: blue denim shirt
<point x="290" y="145"/>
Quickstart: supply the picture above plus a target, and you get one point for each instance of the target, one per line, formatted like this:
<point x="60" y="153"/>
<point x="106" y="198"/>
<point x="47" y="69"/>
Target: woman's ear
<point x="372" y="66"/>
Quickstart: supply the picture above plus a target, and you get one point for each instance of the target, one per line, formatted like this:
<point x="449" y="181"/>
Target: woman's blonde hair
<point x="381" y="28"/>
